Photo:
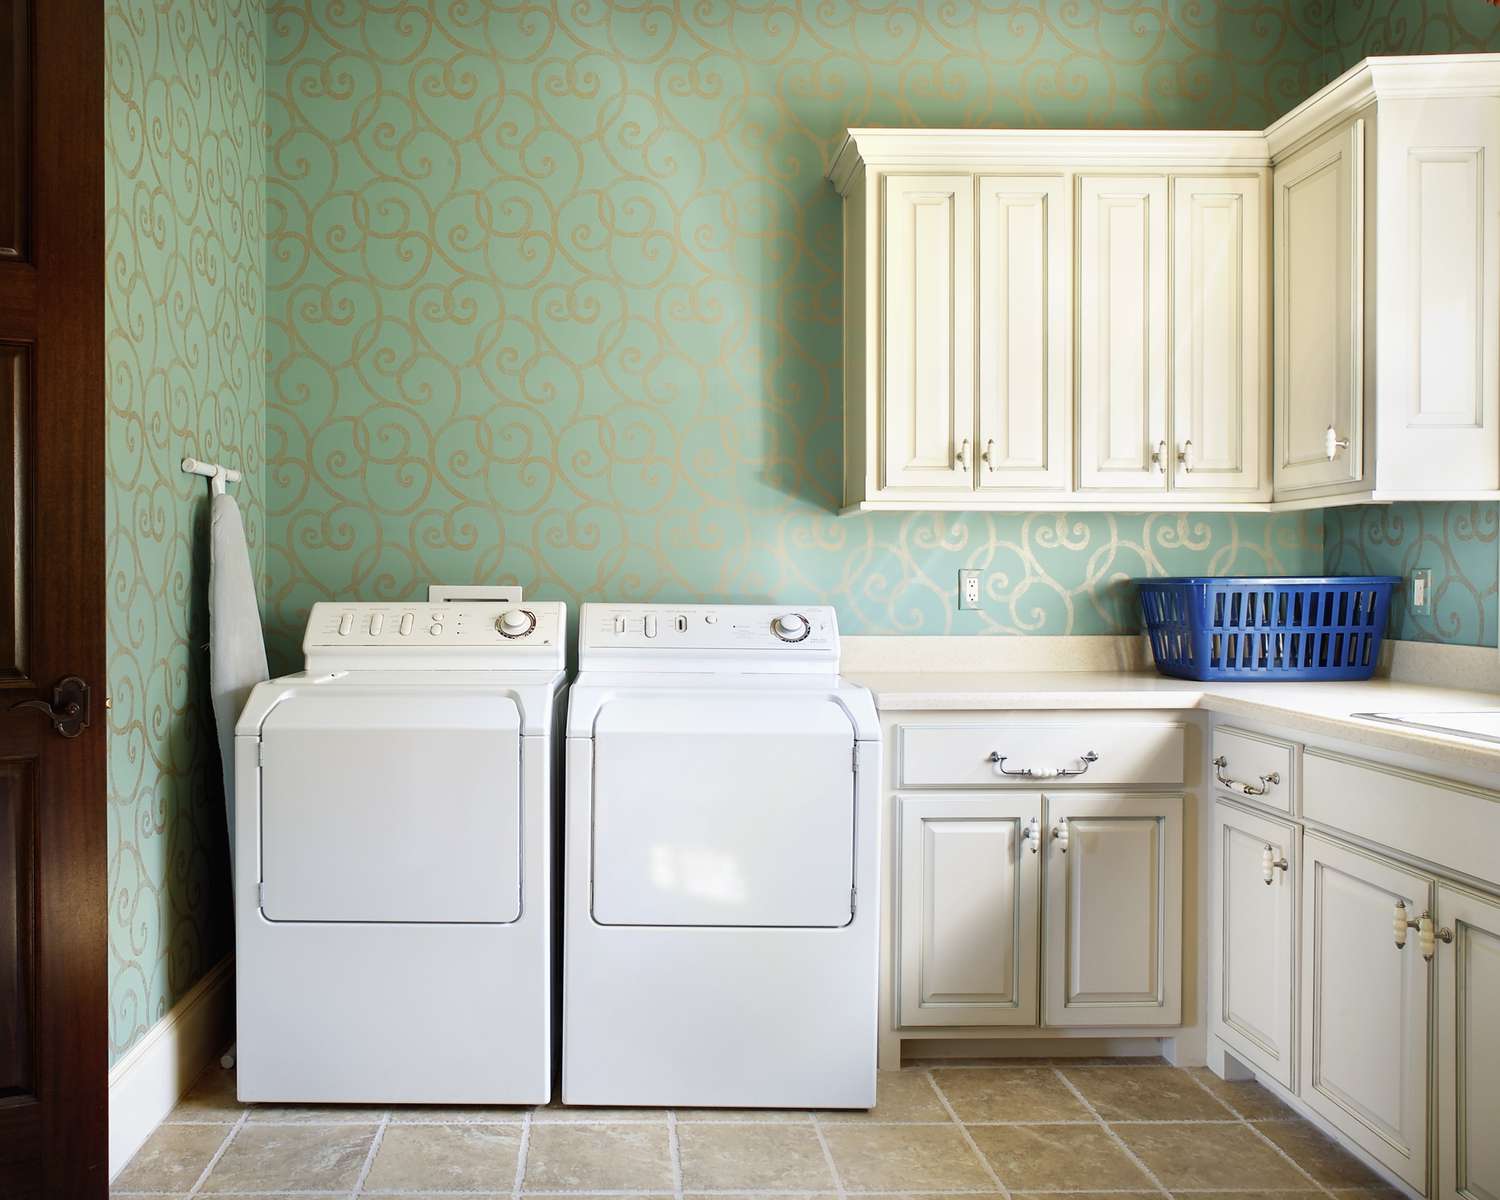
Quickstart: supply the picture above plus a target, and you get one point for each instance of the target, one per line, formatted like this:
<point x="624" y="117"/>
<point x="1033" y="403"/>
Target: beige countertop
<point x="1312" y="709"/>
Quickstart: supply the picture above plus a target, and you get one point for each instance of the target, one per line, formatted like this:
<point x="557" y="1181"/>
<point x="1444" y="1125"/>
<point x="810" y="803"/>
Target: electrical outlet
<point x="968" y="588"/>
<point x="1421" y="591"/>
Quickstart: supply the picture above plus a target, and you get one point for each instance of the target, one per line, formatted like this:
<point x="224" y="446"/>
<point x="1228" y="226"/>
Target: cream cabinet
<point x="970" y="873"/>
<point x="1112" y="914"/>
<point x="1254" y="920"/>
<point x="1467" y="956"/>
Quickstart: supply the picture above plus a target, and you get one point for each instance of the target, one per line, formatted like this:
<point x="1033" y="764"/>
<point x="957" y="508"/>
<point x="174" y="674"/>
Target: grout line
<point x="989" y="1167"/>
<point x="833" y="1167"/>
<point x="364" y="1171"/>
<point x="1250" y="1125"/>
<point x="1110" y="1133"/>
<point x="674" y="1149"/>
<point x="521" y="1154"/>
<point x="218" y="1154"/>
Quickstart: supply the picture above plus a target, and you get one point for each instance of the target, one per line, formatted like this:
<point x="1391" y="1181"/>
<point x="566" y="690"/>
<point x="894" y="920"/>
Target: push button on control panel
<point x="346" y="624"/>
<point x="377" y="623"/>
<point x="406" y="623"/>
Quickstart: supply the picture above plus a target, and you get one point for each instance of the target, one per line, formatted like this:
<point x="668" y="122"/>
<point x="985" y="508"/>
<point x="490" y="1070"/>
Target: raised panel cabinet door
<point x="970" y="872"/>
<point x="1438" y="420"/>
<point x="927" y="340"/>
<point x="1364" y="1018"/>
<point x="1024" y="333"/>
<point x="1252" y="977"/>
<point x="1468" y="1042"/>
<point x="1112" y="910"/>
<point x="1220" y="397"/>
<point x="1122" y="332"/>
<point x="1318" y="350"/>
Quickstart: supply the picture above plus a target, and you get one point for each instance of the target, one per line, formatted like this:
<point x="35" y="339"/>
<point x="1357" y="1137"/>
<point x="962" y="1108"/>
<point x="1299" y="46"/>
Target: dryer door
<point x="723" y="810"/>
<point x="391" y="807"/>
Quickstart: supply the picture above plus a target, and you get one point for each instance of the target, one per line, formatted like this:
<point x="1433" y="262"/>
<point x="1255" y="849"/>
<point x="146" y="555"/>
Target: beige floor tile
<point x="445" y="1158"/>
<point x="315" y="1114"/>
<point x="275" y="1158"/>
<point x="1210" y="1156"/>
<point x="211" y="1099"/>
<point x="1035" y="1094"/>
<point x="1059" y="1157"/>
<point x="790" y="1195"/>
<point x="716" y="1157"/>
<point x="1146" y="1094"/>
<point x="1311" y="1195"/>
<point x="780" y="1116"/>
<point x="1247" y="1098"/>
<point x="562" y="1114"/>
<point x="899" y="1096"/>
<point x="172" y="1159"/>
<point x="1322" y="1158"/>
<point x="454" y="1114"/>
<point x="918" y="1158"/>
<point x="571" y="1157"/>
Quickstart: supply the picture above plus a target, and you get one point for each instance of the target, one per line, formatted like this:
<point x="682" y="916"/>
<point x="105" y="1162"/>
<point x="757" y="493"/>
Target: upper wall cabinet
<point x="1387" y="284"/>
<point x="1055" y="320"/>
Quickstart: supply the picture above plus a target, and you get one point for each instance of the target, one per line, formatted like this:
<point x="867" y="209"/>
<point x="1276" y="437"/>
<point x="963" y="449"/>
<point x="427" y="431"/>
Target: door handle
<point x="68" y="710"/>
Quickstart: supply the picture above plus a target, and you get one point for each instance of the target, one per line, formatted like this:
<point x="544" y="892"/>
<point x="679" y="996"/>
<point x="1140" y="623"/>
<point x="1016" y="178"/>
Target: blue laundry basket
<point x="1274" y="628"/>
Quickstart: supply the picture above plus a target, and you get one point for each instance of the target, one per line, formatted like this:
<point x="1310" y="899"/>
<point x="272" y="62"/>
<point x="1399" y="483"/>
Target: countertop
<point x="1311" y="709"/>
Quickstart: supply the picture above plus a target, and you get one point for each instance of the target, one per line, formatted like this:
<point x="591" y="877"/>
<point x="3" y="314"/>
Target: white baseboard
<point x="145" y="1085"/>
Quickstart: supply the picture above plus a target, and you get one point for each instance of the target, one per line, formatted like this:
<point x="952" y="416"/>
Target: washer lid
<point x="723" y="808"/>
<point x="399" y="806"/>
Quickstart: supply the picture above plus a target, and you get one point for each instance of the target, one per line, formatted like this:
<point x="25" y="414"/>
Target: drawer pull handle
<point x="1085" y="761"/>
<point x="1032" y="834"/>
<point x="1267" y="782"/>
<point x="1060" y="832"/>
<point x="1270" y="864"/>
<point x="1428" y="934"/>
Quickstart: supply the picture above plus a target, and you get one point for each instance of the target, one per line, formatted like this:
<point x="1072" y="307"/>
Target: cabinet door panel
<point x="1112" y="920"/>
<point x="1220" y="406"/>
<point x="1253" y="976"/>
<point x="1318" y="227"/>
<point x="968" y="900"/>
<point x="1024" y="333"/>
<point x="1122" y="334"/>
<point x="1365" y="1004"/>
<point x="1468" y="1071"/>
<point x="927" y="422"/>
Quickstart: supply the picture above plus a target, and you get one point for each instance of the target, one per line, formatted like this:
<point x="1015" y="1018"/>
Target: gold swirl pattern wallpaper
<point x="554" y="295"/>
<point x="184" y="187"/>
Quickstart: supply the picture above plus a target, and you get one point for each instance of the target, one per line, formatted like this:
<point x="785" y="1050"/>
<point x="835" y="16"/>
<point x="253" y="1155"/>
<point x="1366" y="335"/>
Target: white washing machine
<point x="394" y="897"/>
<point x="721" y="889"/>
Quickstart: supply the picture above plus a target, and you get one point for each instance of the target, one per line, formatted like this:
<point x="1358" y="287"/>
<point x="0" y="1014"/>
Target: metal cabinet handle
<point x="1185" y="457"/>
<point x="1270" y="864"/>
<point x="1032" y="834"/>
<point x="1159" y="457"/>
<point x="1086" y="761"/>
<point x="1060" y="832"/>
<point x="961" y="455"/>
<point x="989" y="455"/>
<point x="1267" y="782"/>
<point x="1333" y="444"/>
<point x="1428" y="934"/>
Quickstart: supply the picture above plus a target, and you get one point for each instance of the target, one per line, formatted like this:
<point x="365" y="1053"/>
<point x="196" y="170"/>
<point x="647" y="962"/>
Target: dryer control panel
<point x="667" y="637"/>
<point x="469" y="635"/>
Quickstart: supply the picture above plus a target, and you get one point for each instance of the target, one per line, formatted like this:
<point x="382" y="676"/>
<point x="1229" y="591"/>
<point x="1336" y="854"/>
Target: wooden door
<point x="1365" y="1004"/>
<point x="1468" y="1066"/>
<point x="1112" y="913"/>
<point x="1253" y="975"/>
<point x="969" y="891"/>
<point x="1318" y="224"/>
<point x="1024" y="331"/>
<point x="53" y="1011"/>
<point x="1122" y="333"/>
<point x="927" y="336"/>
<point x="1220" y="399"/>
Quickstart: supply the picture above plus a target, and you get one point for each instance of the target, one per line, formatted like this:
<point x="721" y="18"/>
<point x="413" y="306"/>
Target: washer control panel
<point x="356" y="634"/>
<point x="653" y="632"/>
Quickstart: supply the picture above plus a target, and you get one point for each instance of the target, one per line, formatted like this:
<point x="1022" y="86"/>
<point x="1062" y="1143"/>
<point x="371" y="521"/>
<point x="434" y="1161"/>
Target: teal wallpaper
<point x="1457" y="542"/>
<point x="554" y="294"/>
<point x="185" y="336"/>
<point x="1360" y="28"/>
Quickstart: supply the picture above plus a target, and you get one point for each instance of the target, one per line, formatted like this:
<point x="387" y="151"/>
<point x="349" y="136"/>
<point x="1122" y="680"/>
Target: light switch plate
<point x="1421" y="591"/>
<point x="968" y="589"/>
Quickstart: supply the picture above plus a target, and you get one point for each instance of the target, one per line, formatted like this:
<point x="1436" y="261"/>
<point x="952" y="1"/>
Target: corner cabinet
<point x="1055" y="321"/>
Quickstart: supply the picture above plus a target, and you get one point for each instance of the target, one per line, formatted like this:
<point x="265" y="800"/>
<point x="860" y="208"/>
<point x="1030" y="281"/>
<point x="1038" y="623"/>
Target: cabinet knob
<point x="1270" y="864"/>
<point x="1333" y="444"/>
<point x="1060" y="832"/>
<point x="1400" y="923"/>
<point x="961" y="455"/>
<point x="989" y="455"/>
<point x="1429" y="935"/>
<point x="1185" y="456"/>
<point x="1159" y="457"/>
<point x="1032" y="834"/>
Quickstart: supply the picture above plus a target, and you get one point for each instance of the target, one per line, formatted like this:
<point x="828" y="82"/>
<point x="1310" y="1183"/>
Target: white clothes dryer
<point x="394" y="898"/>
<point x="721" y="886"/>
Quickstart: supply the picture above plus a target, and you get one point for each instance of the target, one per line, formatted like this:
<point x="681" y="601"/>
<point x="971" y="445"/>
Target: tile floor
<point x="1104" y="1127"/>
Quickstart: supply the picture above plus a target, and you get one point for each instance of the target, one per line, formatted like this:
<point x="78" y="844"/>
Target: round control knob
<point x="515" y="622"/>
<point x="791" y="627"/>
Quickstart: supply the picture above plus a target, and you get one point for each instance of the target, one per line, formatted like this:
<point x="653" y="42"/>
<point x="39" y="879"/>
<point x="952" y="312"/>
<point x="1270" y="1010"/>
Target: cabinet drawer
<point x="1251" y="766"/>
<point x="1449" y="824"/>
<point x="968" y="755"/>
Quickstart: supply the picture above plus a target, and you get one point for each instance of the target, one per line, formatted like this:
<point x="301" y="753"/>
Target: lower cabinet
<point x="970" y="880"/>
<point x="1365" y="1003"/>
<point x="1254" y="916"/>
<point x="1468" y="1042"/>
<point x="972" y="899"/>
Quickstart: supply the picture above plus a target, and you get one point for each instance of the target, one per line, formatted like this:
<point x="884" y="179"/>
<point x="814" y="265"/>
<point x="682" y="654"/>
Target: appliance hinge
<point x="261" y="894"/>
<point x="260" y="754"/>
<point x="853" y="894"/>
<point x="856" y="758"/>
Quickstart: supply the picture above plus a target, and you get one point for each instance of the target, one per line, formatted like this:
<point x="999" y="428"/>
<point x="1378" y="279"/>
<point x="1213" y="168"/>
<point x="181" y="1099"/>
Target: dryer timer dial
<point x="515" y="622"/>
<point x="791" y="627"/>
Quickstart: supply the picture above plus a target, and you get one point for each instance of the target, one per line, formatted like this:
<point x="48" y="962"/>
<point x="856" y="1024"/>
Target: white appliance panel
<point x="401" y="807"/>
<point x="723" y="810"/>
